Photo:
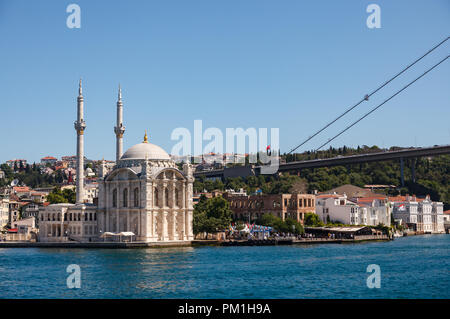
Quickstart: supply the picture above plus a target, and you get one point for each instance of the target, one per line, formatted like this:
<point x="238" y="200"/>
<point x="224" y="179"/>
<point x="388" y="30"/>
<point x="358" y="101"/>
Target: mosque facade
<point x="145" y="194"/>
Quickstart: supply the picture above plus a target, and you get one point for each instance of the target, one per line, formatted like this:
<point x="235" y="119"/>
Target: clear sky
<point x="232" y="63"/>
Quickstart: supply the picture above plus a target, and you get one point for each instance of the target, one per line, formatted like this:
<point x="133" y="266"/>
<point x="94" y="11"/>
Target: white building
<point x="337" y="208"/>
<point x="4" y="212"/>
<point x="148" y="195"/>
<point x="144" y="194"/>
<point x="446" y="216"/>
<point x="420" y="214"/>
<point x="374" y="211"/>
<point x="91" y="192"/>
<point x="32" y="210"/>
<point x="369" y="211"/>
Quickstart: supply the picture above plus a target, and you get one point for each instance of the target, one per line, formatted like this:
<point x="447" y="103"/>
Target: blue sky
<point x="289" y="64"/>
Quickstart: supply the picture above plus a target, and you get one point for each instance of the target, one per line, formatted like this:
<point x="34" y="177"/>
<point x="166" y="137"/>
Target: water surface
<point x="411" y="267"/>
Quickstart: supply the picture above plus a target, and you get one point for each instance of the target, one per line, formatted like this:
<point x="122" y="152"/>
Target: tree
<point x="211" y="215"/>
<point x="293" y="226"/>
<point x="289" y="225"/>
<point x="312" y="219"/>
<point x="57" y="196"/>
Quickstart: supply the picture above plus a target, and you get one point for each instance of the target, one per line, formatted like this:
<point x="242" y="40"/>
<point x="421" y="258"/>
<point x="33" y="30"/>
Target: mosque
<point x="144" y="196"/>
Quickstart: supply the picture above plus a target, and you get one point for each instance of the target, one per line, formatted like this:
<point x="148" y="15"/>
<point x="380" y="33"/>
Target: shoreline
<point x="194" y="243"/>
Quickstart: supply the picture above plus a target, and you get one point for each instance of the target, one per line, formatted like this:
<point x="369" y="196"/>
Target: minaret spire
<point x="80" y="126"/>
<point x="119" y="129"/>
<point x="80" y="89"/>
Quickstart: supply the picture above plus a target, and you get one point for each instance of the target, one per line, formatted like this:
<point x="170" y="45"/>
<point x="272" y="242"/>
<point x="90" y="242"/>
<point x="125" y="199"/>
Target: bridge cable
<point x="385" y="101"/>
<point x="366" y="98"/>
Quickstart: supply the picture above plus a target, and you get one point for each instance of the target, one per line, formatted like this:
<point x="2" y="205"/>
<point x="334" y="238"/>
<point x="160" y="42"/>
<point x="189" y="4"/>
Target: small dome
<point x="145" y="150"/>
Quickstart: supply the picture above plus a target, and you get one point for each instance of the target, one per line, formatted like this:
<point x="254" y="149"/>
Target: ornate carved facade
<point x="150" y="197"/>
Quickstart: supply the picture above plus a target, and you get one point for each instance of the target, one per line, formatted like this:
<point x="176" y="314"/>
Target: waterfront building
<point x="371" y="211"/>
<point x="374" y="210"/>
<point x="144" y="194"/>
<point x="14" y="211"/>
<point x="337" y="208"/>
<point x="31" y="209"/>
<point x="251" y="207"/>
<point x="148" y="195"/>
<point x="4" y="211"/>
<point x="446" y="216"/>
<point x="24" y="225"/>
<point x="419" y="214"/>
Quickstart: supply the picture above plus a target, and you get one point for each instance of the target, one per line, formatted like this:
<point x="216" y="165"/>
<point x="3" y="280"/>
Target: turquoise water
<point x="411" y="267"/>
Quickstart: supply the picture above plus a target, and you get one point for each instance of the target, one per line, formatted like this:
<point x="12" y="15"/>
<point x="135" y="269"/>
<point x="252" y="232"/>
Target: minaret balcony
<point x="119" y="130"/>
<point x="80" y="126"/>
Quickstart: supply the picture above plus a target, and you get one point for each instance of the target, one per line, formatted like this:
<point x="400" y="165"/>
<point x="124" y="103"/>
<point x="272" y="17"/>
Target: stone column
<point x="62" y="224"/>
<point x="154" y="231"/>
<point x="81" y="223"/>
<point x="174" y="225"/>
<point x="165" y="233"/>
<point x="190" y="234"/>
<point x="183" y="199"/>
<point x="183" y="232"/>
<point x="139" y="224"/>
<point x="174" y="200"/>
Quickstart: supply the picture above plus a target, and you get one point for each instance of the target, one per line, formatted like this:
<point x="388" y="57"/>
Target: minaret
<point x="119" y="129"/>
<point x="80" y="126"/>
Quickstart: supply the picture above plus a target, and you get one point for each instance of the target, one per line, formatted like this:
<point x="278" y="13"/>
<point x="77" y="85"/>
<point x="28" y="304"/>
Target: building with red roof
<point x="372" y="210"/>
<point x="419" y="214"/>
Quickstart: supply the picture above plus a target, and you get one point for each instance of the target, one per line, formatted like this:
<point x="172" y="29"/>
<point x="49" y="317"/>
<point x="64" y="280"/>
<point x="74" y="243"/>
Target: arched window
<point x="166" y="197"/>
<point x="125" y="197"/>
<point x="155" y="198"/>
<point x="177" y="199"/>
<point x="114" y="197"/>
<point x="136" y="197"/>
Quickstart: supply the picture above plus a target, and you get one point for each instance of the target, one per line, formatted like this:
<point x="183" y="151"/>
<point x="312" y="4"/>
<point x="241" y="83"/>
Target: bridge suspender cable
<point x="385" y="101"/>
<point x="366" y="98"/>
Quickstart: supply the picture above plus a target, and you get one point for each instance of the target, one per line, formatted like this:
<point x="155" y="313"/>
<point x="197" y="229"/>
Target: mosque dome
<point x="145" y="150"/>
